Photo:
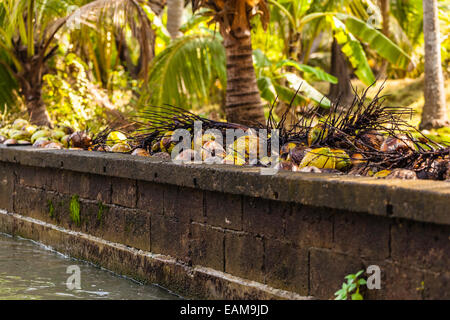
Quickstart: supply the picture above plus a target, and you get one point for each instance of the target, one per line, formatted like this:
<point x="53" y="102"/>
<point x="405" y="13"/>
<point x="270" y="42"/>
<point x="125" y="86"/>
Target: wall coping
<point x="419" y="200"/>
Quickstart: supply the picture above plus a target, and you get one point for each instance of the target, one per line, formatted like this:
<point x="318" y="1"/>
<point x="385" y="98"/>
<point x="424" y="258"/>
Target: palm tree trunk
<point x="36" y="108"/>
<point x="243" y="102"/>
<point x="434" y="113"/>
<point x="339" y="68"/>
<point x="30" y="81"/>
<point x="174" y="17"/>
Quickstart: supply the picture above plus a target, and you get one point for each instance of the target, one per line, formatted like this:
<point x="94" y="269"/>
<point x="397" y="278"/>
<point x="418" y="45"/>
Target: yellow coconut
<point x="382" y="174"/>
<point x="342" y="159"/>
<point x="322" y="158"/>
<point x="245" y="147"/>
<point x="232" y="159"/>
<point x="116" y="137"/>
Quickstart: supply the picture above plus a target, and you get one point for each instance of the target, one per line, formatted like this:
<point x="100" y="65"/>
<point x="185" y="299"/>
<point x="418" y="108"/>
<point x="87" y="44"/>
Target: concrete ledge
<point x="419" y="200"/>
<point x="142" y="265"/>
<point x="226" y="232"/>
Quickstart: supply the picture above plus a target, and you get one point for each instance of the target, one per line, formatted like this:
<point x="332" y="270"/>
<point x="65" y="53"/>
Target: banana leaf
<point x="287" y="95"/>
<point x="317" y="72"/>
<point x="377" y="42"/>
<point x="266" y="89"/>
<point x="305" y="89"/>
<point x="353" y="49"/>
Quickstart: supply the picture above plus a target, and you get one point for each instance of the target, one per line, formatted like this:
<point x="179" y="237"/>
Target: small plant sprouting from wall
<point x="51" y="209"/>
<point x="75" y="210"/>
<point x="101" y="210"/>
<point x="350" y="289"/>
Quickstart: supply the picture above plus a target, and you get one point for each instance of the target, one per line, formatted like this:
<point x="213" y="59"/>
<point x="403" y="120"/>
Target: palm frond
<point x="186" y="71"/>
<point x="112" y="16"/>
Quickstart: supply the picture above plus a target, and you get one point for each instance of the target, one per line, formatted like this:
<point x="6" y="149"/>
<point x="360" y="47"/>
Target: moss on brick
<point x="75" y="210"/>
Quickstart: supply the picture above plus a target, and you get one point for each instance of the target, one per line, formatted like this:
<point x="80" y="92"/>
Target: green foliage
<point x="408" y="15"/>
<point x="33" y="37"/>
<point x="444" y="17"/>
<point x="75" y="210"/>
<point x="8" y="87"/>
<point x="351" y="288"/>
<point x="273" y="81"/>
<point x="28" y="29"/>
<point x="349" y="31"/>
<point x="318" y="73"/>
<point x="354" y="51"/>
<point x="67" y="96"/>
<point x="101" y="210"/>
<point x="195" y="20"/>
<point x="51" y="209"/>
<point x="186" y="72"/>
<point x="377" y="42"/>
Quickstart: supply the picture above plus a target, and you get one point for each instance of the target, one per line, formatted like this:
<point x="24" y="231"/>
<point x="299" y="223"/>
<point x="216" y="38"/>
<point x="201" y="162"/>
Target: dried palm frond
<point x="156" y="121"/>
<point x="372" y="137"/>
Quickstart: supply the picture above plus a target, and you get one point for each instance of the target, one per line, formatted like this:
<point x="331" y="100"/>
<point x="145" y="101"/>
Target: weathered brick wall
<point x="307" y="249"/>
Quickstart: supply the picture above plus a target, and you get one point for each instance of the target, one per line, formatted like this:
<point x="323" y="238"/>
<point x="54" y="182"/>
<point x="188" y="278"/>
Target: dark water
<point x="29" y="270"/>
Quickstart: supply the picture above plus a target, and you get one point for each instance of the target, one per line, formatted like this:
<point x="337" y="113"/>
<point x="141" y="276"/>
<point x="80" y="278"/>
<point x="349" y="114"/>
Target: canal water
<point x="29" y="270"/>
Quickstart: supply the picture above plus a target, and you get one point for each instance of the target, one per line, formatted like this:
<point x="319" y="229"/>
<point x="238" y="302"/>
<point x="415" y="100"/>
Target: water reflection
<point x="31" y="271"/>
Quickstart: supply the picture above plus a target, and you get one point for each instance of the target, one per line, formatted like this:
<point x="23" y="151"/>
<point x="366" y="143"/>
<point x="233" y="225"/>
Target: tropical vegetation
<point x="88" y="63"/>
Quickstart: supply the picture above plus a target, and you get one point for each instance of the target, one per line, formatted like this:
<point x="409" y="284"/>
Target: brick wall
<point x="303" y="248"/>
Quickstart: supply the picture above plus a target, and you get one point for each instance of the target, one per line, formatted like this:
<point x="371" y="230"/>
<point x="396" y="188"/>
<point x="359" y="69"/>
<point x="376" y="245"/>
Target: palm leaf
<point x="409" y="16"/>
<point x="118" y="14"/>
<point x="184" y="73"/>
<point x="304" y="88"/>
<point x="7" y="87"/>
<point x="316" y="72"/>
<point x="349" y="31"/>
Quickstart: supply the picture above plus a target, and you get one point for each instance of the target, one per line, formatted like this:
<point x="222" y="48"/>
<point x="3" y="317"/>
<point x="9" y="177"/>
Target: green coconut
<point x="343" y="161"/>
<point x="65" y="141"/>
<point x="30" y="129"/>
<point x="58" y="134"/>
<point x="45" y="133"/>
<point x="18" y="124"/>
<point x="19" y="135"/>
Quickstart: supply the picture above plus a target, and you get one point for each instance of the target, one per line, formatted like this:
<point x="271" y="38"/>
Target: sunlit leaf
<point x="297" y="83"/>
<point x="318" y="73"/>
<point x="266" y="89"/>
<point x="377" y="41"/>
<point x="260" y="59"/>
